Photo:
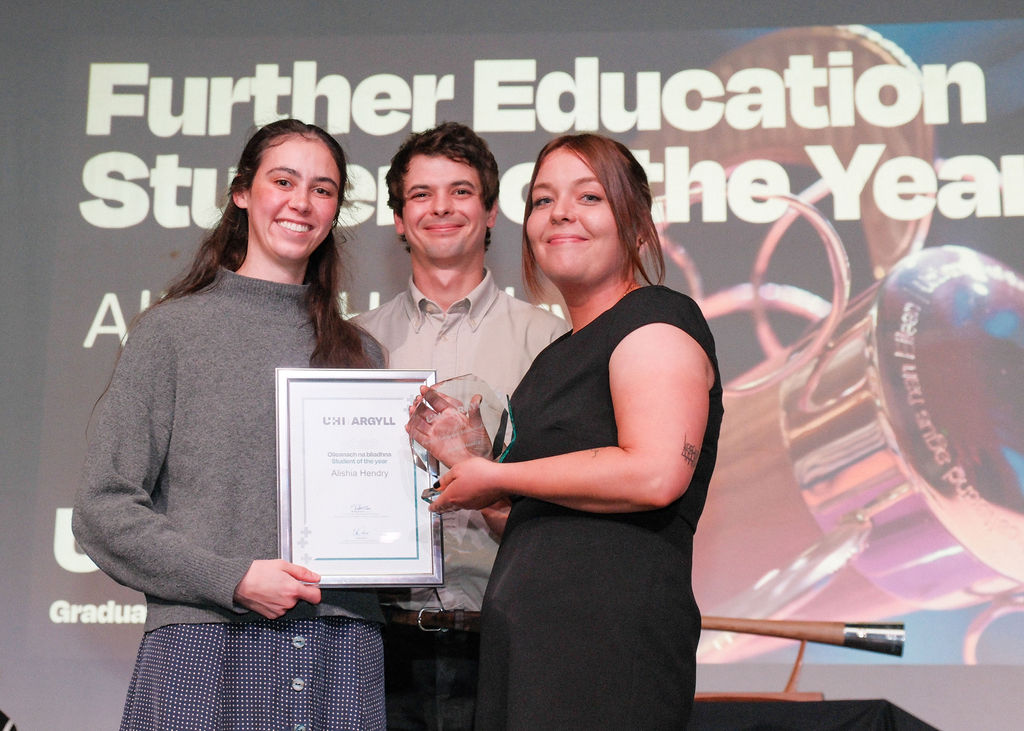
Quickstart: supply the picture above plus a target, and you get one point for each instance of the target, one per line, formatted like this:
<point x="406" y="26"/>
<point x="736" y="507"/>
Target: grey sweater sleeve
<point x="116" y="517"/>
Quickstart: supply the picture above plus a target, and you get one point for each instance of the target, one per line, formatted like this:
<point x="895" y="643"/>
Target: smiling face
<point x="443" y="217"/>
<point x="571" y="228"/>
<point x="291" y="206"/>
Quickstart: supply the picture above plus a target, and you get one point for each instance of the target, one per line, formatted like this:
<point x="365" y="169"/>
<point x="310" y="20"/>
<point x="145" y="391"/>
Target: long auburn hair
<point x="629" y="196"/>
<point x="338" y="342"/>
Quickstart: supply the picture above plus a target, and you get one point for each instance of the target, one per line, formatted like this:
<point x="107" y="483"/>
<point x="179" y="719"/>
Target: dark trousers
<point x="430" y="678"/>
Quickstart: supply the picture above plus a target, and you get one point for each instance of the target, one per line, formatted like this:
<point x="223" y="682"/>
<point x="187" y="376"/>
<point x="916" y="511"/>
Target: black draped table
<point x="803" y="716"/>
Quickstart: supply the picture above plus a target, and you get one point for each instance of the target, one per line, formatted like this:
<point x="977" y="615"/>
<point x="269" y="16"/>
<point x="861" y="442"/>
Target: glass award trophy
<point x="456" y="419"/>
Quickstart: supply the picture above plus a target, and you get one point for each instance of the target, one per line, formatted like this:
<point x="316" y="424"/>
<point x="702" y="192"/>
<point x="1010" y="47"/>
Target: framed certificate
<point x="349" y="485"/>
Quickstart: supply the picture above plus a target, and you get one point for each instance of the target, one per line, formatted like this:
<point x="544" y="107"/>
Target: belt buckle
<point x="419" y="620"/>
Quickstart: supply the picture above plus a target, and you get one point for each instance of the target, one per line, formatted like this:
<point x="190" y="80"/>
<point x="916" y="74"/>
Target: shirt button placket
<point x="298" y="683"/>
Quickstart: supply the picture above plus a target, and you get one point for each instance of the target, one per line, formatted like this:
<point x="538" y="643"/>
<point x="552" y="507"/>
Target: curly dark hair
<point x="456" y="142"/>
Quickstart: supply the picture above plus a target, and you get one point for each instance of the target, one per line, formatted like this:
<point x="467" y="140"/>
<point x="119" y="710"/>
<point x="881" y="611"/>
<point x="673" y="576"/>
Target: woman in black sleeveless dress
<point x="589" y="619"/>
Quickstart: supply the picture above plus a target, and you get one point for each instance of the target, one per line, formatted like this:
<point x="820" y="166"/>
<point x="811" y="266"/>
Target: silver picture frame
<point x="349" y="484"/>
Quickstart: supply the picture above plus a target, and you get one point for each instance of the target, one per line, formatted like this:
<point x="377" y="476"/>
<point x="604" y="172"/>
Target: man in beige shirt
<point x="453" y="318"/>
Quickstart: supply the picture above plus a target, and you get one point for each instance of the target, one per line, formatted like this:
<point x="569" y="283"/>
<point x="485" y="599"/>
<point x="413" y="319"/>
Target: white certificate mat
<point x="348" y="484"/>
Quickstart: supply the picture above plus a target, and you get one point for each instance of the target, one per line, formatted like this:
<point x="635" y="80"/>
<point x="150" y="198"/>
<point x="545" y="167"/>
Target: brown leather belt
<point x="432" y="619"/>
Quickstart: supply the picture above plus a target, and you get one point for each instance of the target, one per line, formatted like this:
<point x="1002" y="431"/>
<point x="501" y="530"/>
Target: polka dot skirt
<point x="300" y="674"/>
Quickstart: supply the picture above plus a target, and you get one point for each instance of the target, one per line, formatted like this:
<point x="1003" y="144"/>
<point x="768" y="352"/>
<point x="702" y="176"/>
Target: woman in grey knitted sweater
<point x="179" y="493"/>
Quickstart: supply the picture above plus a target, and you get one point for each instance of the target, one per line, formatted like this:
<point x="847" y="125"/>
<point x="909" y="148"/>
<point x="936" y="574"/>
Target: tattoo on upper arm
<point x="690" y="452"/>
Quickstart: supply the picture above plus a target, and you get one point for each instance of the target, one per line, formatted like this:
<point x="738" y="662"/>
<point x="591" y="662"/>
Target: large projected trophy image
<point x="902" y="438"/>
<point x="873" y="466"/>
